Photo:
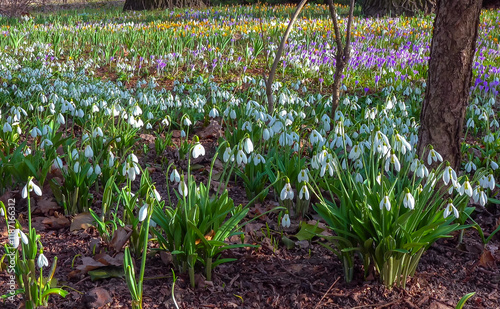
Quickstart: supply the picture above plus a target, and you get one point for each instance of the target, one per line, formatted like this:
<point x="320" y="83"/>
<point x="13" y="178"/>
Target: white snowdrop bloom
<point x="450" y="208"/>
<point x="304" y="193"/>
<point x="489" y="138"/>
<point x="7" y="127"/>
<point x="241" y="158"/>
<point x="137" y="111"/>
<point x="358" y="178"/>
<point x="470" y="166"/>
<point x="111" y="161"/>
<point x="183" y="189"/>
<point x="174" y="176"/>
<point x="228" y="155"/>
<point x="143" y="212"/>
<point x="303" y="175"/>
<point x="449" y="174"/>
<point x="89" y="153"/>
<point x="42" y="260"/>
<point x="401" y="144"/>
<point x="422" y="170"/>
<point x="187" y="122"/>
<point x="35" y="132"/>
<point x="97" y="169"/>
<point x="97" y="132"/>
<point x="76" y="168"/>
<point x="487" y="182"/>
<point x="470" y="123"/>
<point x="287" y="192"/>
<point x="315" y="137"/>
<point x="60" y="119"/>
<point x="356" y="152"/>
<point x="392" y="160"/>
<point x="266" y="134"/>
<point x="214" y="113"/>
<point x="285" y="221"/>
<point x="198" y="150"/>
<point x="248" y="145"/>
<point x="385" y="203"/>
<point x="466" y="188"/>
<point x="90" y="171"/>
<point x="31" y="186"/>
<point x="493" y="165"/>
<point x="232" y="114"/>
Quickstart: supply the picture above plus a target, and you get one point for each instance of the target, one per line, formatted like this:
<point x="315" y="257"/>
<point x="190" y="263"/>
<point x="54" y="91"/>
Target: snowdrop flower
<point x="304" y="192"/>
<point x="241" y="157"/>
<point x="409" y="200"/>
<point x="35" y="132"/>
<point x="470" y="166"/>
<point x="187" y="122"/>
<point x="7" y="127"/>
<point x="232" y="114"/>
<point x="433" y="156"/>
<point x="479" y="196"/>
<point x="228" y="154"/>
<point x="422" y="170"/>
<point x="156" y="194"/>
<point x="449" y="174"/>
<point x="214" y="113"/>
<point x="248" y="145"/>
<point x="385" y="202"/>
<point x="487" y="182"/>
<point x="493" y="165"/>
<point x="89" y="153"/>
<point x="466" y="188"/>
<point x="356" y="152"/>
<point x="303" y="175"/>
<point x="143" y="212"/>
<point x="285" y="221"/>
<point x="287" y="192"/>
<point x="450" y="208"/>
<point x="174" y="176"/>
<point x="42" y="260"/>
<point x="183" y="189"/>
<point x="266" y="134"/>
<point x="358" y="178"/>
<point x="257" y="159"/>
<point x="401" y="144"/>
<point x="392" y="159"/>
<point x="198" y="150"/>
<point x="17" y="235"/>
<point x="97" y="169"/>
<point x="30" y="186"/>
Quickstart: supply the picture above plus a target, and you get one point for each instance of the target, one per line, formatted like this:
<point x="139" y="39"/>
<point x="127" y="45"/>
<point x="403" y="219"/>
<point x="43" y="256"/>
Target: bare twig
<point x="343" y="51"/>
<point x="279" y="52"/>
<point x="324" y="295"/>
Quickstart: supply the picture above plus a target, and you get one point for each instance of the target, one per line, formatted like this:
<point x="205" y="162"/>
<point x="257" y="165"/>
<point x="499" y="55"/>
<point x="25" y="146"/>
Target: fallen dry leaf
<point x="214" y="130"/>
<point x="82" y="221"/>
<point x="119" y="239"/>
<point x="487" y="259"/>
<point x="46" y="206"/>
<point x="56" y="222"/>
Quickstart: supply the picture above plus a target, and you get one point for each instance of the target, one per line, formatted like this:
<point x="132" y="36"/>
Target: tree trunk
<point x="397" y="7"/>
<point x="140" y="5"/>
<point x="450" y="72"/>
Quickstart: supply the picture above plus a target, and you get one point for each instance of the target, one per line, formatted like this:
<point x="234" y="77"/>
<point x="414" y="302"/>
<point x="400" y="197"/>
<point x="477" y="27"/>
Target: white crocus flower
<point x="30" y="186"/>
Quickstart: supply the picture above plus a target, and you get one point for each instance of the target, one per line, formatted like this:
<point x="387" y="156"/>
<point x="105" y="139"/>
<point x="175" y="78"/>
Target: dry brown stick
<point x="331" y="286"/>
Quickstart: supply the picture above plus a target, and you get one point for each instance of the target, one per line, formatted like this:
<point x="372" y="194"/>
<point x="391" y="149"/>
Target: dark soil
<point x="271" y="276"/>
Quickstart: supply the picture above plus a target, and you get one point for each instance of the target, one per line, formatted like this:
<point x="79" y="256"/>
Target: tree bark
<point x="450" y="72"/>
<point x="140" y="5"/>
<point x="397" y="7"/>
